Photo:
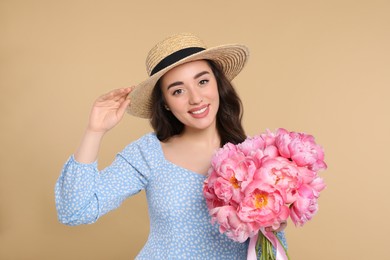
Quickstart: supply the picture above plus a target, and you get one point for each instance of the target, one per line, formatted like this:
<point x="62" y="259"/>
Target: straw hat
<point x="176" y="50"/>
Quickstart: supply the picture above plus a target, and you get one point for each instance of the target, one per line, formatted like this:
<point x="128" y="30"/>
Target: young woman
<point x="194" y="110"/>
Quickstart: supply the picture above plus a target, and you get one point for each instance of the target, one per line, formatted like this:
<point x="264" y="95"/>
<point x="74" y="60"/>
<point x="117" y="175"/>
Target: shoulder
<point x="149" y="140"/>
<point x="146" y="146"/>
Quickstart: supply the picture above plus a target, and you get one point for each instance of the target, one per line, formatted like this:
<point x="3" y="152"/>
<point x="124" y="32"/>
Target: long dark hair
<point x="229" y="115"/>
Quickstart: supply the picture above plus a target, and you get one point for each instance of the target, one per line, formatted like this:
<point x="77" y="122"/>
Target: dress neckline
<point x="203" y="176"/>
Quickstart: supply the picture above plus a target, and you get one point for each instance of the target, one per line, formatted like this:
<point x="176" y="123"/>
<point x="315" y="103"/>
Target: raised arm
<point x="82" y="193"/>
<point x="107" y="112"/>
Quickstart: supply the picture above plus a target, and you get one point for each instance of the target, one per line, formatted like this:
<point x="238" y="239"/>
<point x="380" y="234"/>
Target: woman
<point x="194" y="110"/>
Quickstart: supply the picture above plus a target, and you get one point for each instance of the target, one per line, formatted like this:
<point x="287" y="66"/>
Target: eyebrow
<point x="177" y="83"/>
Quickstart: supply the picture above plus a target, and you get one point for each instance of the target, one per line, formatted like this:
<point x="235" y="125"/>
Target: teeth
<point x="199" y="111"/>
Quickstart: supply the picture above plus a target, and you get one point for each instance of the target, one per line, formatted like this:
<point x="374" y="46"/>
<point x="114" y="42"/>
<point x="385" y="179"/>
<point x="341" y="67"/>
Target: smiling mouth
<point x="200" y="111"/>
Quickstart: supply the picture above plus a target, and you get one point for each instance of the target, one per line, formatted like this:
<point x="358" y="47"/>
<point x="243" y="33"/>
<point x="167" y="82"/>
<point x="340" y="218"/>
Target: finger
<point x="123" y="107"/>
<point x="123" y="94"/>
<point x="116" y="94"/>
<point x="119" y="93"/>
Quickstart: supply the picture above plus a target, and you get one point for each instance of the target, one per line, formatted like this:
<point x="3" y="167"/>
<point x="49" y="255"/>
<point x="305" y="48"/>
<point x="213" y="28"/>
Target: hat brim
<point x="231" y="58"/>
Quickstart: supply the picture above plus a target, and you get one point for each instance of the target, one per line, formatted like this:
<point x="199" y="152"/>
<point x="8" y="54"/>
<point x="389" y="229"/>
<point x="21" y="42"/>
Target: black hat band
<point x="175" y="57"/>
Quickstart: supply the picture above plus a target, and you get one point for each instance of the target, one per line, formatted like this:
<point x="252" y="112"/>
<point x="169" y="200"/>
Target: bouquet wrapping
<point x="260" y="183"/>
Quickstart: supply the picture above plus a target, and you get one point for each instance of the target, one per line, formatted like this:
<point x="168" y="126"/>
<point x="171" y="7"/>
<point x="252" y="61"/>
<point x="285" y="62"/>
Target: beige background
<point x="320" y="67"/>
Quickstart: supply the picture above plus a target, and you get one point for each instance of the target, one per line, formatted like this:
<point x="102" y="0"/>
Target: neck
<point x="208" y="137"/>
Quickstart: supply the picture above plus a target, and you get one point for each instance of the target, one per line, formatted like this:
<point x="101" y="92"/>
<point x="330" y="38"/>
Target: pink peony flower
<point x="268" y="137"/>
<point x="301" y="148"/>
<point x="251" y="145"/>
<point x="306" y="175"/>
<point x="282" y="174"/>
<point x="227" y="174"/>
<point x="212" y="200"/>
<point x="312" y="179"/>
<point x="222" y="154"/>
<point x="231" y="173"/>
<point x="259" y="146"/>
<point x="231" y="224"/>
<point x="227" y="191"/>
<point x="264" y="205"/>
<point x="305" y="207"/>
<point x="317" y="186"/>
<point x="282" y="141"/>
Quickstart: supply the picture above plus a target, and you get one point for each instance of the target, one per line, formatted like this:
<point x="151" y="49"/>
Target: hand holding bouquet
<point x="261" y="182"/>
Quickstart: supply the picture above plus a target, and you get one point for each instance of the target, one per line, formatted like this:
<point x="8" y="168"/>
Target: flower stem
<point x="266" y="248"/>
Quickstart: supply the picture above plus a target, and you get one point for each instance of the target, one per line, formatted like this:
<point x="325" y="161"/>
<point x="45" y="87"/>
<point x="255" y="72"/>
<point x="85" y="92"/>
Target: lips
<point x="199" y="111"/>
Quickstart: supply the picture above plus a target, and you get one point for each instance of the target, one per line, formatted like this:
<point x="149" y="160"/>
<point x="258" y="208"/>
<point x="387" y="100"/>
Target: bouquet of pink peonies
<point x="260" y="183"/>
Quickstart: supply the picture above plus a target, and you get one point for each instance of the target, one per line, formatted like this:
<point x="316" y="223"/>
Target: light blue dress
<point x="180" y="225"/>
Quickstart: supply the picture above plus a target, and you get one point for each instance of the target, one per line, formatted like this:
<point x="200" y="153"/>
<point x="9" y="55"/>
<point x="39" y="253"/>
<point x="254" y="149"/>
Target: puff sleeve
<point x="83" y="193"/>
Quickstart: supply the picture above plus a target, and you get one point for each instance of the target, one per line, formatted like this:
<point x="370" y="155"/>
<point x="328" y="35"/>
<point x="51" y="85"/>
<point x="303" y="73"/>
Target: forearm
<point x="89" y="147"/>
<point x="106" y="113"/>
<point x="75" y="193"/>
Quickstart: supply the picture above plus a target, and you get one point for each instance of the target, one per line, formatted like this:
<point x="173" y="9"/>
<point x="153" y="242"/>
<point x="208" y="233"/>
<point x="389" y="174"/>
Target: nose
<point x="195" y="97"/>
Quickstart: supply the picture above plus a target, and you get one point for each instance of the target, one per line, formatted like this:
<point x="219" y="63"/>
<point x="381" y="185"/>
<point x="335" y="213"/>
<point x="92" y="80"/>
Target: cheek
<point x="177" y="106"/>
<point x="169" y="99"/>
<point x="216" y="96"/>
<point x="217" y="104"/>
<point x="175" y="103"/>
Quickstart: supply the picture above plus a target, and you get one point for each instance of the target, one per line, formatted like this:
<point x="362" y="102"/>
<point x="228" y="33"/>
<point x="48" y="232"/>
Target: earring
<point x="166" y="107"/>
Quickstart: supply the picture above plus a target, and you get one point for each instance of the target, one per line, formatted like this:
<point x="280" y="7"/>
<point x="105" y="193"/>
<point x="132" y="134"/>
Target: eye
<point x="203" y="82"/>
<point x="177" y="92"/>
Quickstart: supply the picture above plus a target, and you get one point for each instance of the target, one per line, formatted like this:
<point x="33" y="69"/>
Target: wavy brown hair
<point x="229" y="115"/>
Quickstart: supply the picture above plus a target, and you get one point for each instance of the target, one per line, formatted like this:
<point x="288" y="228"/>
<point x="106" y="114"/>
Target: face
<point x="191" y="94"/>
